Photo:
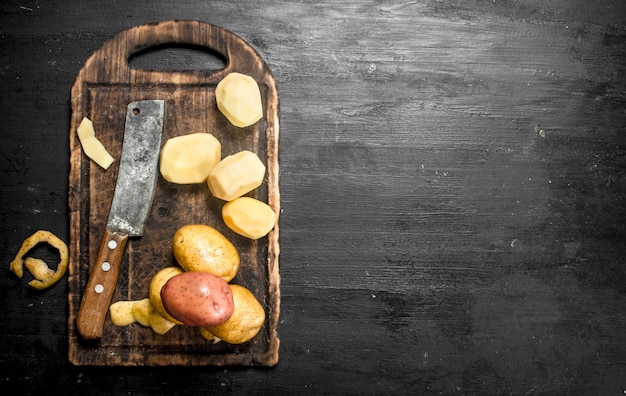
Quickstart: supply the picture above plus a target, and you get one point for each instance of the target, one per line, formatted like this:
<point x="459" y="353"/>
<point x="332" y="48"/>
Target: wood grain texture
<point x="452" y="179"/>
<point x="102" y="91"/>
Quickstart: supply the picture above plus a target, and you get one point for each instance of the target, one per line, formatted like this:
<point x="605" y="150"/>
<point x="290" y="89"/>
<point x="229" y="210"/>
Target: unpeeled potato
<point x="245" y="322"/>
<point x="198" y="299"/>
<point x="199" y="247"/>
<point x="156" y="284"/>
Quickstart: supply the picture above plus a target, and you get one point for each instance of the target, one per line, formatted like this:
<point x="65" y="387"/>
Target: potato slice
<point x="159" y="324"/>
<point x="125" y="313"/>
<point x="249" y="217"/>
<point x="92" y="147"/>
<point x="189" y="159"/>
<point x="239" y="99"/>
<point x="236" y="175"/>
<point x="141" y="311"/>
<point x="121" y="313"/>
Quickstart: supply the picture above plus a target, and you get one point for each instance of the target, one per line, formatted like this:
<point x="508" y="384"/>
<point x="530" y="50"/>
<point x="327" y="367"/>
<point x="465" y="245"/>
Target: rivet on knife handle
<point x="101" y="285"/>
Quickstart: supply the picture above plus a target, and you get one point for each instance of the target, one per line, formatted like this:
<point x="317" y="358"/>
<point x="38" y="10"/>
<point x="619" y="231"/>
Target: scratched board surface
<point x="452" y="186"/>
<point x="189" y="107"/>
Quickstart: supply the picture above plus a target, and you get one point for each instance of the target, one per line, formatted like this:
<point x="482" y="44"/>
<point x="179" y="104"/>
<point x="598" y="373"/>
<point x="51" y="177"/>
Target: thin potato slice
<point x="125" y="313"/>
<point x="121" y="313"/>
<point x="92" y="147"/>
<point x="159" y="324"/>
<point x="38" y="268"/>
<point x="141" y="311"/>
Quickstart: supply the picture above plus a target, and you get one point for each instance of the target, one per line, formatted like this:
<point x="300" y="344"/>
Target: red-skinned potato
<point x="198" y="299"/>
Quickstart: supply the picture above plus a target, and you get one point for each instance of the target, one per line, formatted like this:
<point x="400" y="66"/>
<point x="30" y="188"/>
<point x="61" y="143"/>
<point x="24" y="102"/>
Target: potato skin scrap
<point x="43" y="279"/>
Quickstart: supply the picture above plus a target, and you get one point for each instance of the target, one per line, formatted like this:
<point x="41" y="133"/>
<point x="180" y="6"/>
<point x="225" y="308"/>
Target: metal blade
<point x="136" y="180"/>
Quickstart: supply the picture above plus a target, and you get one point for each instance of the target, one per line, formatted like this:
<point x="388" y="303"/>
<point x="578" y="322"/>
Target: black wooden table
<point x="453" y="178"/>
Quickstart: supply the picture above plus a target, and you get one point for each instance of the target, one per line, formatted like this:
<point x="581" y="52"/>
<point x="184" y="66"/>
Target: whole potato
<point x="199" y="247"/>
<point x="245" y="322"/>
<point x="156" y="284"/>
<point x="198" y="299"/>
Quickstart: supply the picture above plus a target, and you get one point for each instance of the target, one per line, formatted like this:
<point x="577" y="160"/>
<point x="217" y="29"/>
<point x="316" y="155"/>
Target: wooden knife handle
<point x="101" y="285"/>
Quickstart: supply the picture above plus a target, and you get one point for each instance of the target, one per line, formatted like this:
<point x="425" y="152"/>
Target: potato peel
<point x="44" y="276"/>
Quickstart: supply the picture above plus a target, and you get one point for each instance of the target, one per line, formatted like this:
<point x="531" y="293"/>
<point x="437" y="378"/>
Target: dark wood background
<point x="452" y="176"/>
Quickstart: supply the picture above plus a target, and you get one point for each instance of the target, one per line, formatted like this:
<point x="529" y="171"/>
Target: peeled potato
<point x="199" y="247"/>
<point x="245" y="322"/>
<point x="249" y="217"/>
<point x="236" y="175"/>
<point x="239" y="99"/>
<point x="189" y="159"/>
<point x="156" y="284"/>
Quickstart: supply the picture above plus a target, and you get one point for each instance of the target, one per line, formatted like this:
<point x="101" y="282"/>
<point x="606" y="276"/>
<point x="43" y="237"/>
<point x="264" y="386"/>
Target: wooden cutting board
<point x="102" y="90"/>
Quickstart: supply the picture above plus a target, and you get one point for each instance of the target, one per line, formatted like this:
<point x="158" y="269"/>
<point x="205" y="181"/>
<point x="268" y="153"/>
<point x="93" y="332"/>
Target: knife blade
<point x="132" y="199"/>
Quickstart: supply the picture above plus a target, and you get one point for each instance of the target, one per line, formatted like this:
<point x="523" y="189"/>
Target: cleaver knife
<point x="134" y="191"/>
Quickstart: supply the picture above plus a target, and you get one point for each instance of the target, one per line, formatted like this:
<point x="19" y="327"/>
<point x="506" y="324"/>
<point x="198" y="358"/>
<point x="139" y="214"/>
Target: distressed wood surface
<point x="102" y="91"/>
<point x="452" y="193"/>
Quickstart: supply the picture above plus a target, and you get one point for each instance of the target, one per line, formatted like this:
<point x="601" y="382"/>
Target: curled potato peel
<point x="44" y="276"/>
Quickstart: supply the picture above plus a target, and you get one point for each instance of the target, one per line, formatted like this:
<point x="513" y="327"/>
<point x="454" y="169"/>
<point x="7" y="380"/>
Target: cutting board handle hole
<point x="176" y="57"/>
